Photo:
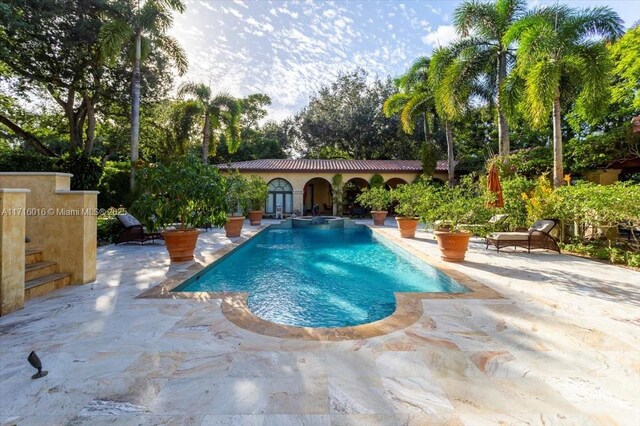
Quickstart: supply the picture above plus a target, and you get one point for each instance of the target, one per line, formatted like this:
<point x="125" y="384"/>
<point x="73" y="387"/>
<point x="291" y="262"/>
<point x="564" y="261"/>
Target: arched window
<point x="280" y="194"/>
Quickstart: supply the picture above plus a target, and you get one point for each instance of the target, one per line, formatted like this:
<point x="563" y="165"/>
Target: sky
<point x="289" y="49"/>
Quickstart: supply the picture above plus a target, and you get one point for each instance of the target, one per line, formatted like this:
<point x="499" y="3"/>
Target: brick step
<point x="32" y="256"/>
<point x="39" y="269"/>
<point x="44" y="284"/>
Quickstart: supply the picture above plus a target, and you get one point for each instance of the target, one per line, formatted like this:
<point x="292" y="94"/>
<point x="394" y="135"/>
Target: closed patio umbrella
<point x="493" y="183"/>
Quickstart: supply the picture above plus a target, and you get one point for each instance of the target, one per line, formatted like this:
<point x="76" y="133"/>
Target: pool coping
<point x="236" y="309"/>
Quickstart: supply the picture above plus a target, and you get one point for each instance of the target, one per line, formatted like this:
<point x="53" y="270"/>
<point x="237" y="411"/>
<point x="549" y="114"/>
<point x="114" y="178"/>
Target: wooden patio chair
<point x="134" y="231"/>
<point x="537" y="237"/>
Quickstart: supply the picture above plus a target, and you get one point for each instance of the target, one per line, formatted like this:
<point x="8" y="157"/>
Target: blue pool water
<point x="321" y="278"/>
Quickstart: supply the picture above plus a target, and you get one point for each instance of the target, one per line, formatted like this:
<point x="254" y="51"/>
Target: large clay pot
<point x="453" y="245"/>
<point x="181" y="243"/>
<point x="407" y="226"/>
<point x="233" y="228"/>
<point x="255" y="217"/>
<point x="378" y="217"/>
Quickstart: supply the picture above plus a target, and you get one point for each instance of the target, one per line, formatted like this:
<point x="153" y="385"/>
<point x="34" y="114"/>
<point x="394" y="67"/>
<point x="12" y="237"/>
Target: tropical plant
<point x="184" y="190"/>
<point x="237" y="196"/>
<point x="222" y="111"/>
<point x="415" y="101"/>
<point x="463" y="203"/>
<point x="559" y="60"/>
<point x="626" y="57"/>
<point x="257" y="191"/>
<point x="409" y="197"/>
<point x="337" y="183"/>
<point x="138" y="28"/>
<point x="442" y="74"/>
<point x="378" y="198"/>
<point x="484" y="56"/>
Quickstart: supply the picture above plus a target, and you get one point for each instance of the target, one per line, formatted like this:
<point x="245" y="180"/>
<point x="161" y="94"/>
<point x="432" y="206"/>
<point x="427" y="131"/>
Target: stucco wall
<point x="12" y="226"/>
<point x="60" y="222"/>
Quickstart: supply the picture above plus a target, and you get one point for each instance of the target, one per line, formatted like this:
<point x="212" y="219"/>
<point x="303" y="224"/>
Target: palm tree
<point x="452" y="86"/>
<point x="560" y="60"/>
<point x="141" y="25"/>
<point x="483" y="26"/>
<point x="220" y="111"/>
<point x="413" y="101"/>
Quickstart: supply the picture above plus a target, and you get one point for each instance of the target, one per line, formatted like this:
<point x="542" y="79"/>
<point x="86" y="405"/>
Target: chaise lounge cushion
<point x="543" y="226"/>
<point x="128" y="221"/>
<point x="509" y="236"/>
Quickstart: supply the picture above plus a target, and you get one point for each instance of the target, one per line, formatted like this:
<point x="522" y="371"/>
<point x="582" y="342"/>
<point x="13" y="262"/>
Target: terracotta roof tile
<point x="332" y="165"/>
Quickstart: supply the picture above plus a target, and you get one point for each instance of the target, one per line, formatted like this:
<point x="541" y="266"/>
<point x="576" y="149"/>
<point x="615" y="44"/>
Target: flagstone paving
<point x="561" y="347"/>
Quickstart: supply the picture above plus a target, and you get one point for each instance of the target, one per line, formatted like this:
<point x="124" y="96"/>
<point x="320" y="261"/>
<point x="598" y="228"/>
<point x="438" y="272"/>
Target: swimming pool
<point x="320" y="278"/>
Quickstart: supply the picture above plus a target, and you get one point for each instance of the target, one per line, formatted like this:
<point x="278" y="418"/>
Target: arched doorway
<point x="280" y="195"/>
<point x="317" y="192"/>
<point x="352" y="188"/>
<point x="394" y="182"/>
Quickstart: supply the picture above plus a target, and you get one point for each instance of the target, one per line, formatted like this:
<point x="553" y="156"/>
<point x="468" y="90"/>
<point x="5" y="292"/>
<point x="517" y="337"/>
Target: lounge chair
<point x="496" y="223"/>
<point x="134" y="231"/>
<point x="537" y="237"/>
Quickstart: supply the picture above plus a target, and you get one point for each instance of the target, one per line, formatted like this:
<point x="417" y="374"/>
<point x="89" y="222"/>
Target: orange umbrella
<point x="493" y="183"/>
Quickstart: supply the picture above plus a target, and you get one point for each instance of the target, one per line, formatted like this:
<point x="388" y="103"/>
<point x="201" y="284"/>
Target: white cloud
<point x="441" y="37"/>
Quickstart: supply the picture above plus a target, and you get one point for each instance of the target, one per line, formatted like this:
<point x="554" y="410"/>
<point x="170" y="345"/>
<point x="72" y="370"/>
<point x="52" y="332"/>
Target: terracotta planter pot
<point x="378" y="217"/>
<point x="181" y="243"/>
<point x="453" y="245"/>
<point x="233" y="228"/>
<point x="255" y="217"/>
<point x="407" y="226"/>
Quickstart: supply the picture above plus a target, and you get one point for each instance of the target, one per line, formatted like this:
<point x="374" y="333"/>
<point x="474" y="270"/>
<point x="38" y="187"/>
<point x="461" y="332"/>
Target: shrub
<point x="86" y="170"/>
<point x="376" y="181"/>
<point x="184" y="190"/>
<point x="14" y="160"/>
<point x="108" y="226"/>
<point x="377" y="198"/>
<point x="464" y="203"/>
<point x="257" y="191"/>
<point x="514" y="205"/>
<point x="114" y="185"/>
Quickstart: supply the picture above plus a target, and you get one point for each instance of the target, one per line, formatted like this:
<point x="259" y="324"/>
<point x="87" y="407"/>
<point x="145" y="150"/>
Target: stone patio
<point x="561" y="347"/>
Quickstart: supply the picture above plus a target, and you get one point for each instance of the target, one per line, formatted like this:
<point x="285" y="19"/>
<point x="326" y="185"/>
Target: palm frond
<point x="395" y="103"/>
<point x="176" y="53"/>
<point x="473" y="15"/>
<point x="113" y="36"/>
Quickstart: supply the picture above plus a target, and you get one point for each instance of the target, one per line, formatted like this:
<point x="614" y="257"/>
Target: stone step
<point x="39" y="269"/>
<point x="32" y="256"/>
<point x="43" y="285"/>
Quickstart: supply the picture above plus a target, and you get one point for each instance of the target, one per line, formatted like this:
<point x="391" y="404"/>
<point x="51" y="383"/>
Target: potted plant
<point x="236" y="202"/>
<point x="378" y="199"/>
<point x="183" y="194"/>
<point x="409" y="199"/>
<point x="452" y="206"/>
<point x="257" y="192"/>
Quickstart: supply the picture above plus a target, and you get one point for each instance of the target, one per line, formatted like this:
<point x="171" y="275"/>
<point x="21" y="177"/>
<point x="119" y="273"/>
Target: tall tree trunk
<point x="558" y="173"/>
<point x="91" y="126"/>
<point x="503" y="126"/>
<point x="427" y="133"/>
<point x="450" y="159"/>
<point x="135" y="111"/>
<point x="206" y="137"/>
